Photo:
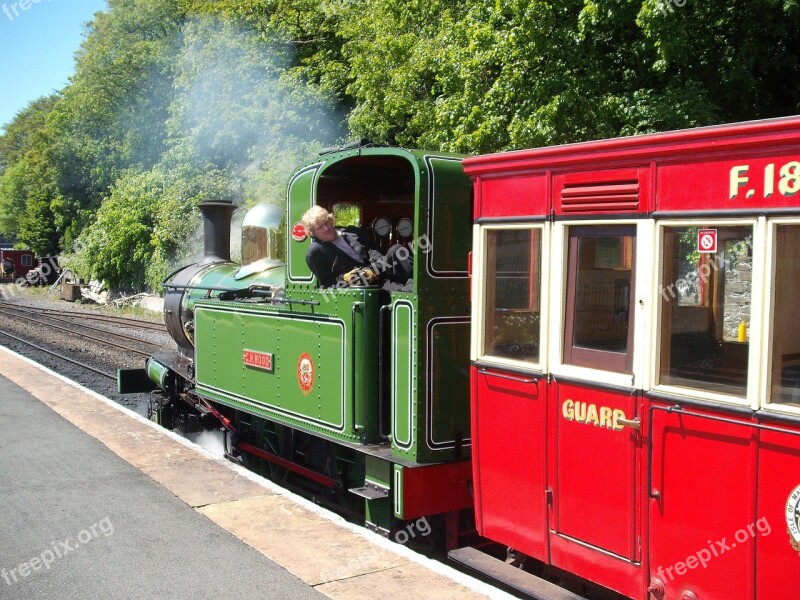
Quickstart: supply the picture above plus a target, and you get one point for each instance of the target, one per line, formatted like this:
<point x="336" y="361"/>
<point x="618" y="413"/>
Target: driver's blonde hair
<point x="314" y="217"/>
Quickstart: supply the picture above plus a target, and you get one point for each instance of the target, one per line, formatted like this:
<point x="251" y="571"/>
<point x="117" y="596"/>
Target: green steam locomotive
<point x="360" y="392"/>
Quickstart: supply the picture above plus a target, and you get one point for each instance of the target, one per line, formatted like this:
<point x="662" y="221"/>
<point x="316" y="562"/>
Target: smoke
<point x="209" y="440"/>
<point x="239" y="110"/>
<point x="240" y="115"/>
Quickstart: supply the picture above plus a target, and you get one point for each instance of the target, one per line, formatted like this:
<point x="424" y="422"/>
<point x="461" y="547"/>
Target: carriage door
<point x="595" y="416"/>
<point x="509" y="391"/>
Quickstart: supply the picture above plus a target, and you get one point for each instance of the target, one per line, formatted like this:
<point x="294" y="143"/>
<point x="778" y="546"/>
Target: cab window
<point x="706" y="293"/>
<point x="347" y="214"/>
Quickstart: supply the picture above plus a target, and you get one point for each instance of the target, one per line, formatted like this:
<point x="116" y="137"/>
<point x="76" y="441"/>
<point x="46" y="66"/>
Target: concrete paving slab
<point x="409" y="581"/>
<point x="190" y="476"/>
<point x="77" y="521"/>
<point x="201" y="482"/>
<point x="329" y="552"/>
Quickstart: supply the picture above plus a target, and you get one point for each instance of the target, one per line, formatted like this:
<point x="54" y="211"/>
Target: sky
<point x="38" y="40"/>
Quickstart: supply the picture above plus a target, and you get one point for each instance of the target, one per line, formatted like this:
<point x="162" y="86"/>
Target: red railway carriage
<point x="15" y="263"/>
<point x="636" y="359"/>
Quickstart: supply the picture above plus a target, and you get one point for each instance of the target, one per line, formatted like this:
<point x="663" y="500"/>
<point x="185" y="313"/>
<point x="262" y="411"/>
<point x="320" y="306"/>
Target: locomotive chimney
<point x="216" y="230"/>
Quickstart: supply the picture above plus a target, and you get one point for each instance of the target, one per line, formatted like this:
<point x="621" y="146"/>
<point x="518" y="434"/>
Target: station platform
<point x="97" y="502"/>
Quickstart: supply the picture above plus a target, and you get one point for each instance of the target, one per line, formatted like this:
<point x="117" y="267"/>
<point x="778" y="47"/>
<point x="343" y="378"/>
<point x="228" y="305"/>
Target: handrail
<point x="384" y="428"/>
<point x="485" y="371"/>
<point x="678" y="409"/>
<point x="263" y="292"/>
<point x="356" y="306"/>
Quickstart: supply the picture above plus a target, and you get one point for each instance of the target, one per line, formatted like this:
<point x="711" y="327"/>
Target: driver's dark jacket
<point x="329" y="263"/>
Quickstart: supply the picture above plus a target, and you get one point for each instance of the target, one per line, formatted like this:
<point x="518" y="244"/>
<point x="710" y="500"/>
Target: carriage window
<point x="785" y="375"/>
<point x="599" y="323"/>
<point x="705" y="307"/>
<point x="513" y="287"/>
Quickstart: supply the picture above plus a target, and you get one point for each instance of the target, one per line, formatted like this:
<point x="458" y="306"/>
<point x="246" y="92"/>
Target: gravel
<point x="105" y="358"/>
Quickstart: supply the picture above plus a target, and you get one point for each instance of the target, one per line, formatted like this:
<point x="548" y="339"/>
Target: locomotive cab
<point x="407" y="340"/>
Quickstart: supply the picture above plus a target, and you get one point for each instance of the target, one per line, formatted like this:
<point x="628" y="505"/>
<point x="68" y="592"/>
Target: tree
<point x="20" y="134"/>
<point x="146" y="222"/>
<point x="484" y="76"/>
<point x="751" y="71"/>
<point x="111" y="116"/>
<point x="179" y="100"/>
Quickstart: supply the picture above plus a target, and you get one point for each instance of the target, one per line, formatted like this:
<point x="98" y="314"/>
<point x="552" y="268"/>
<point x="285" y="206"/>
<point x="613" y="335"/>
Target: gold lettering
<point x="599" y="416"/>
<point x="738" y="179"/>
<point x="605" y="417"/>
<point x="769" y="180"/>
<point x="591" y="415"/>
<point x="789" y="183"/>
<point x="568" y="409"/>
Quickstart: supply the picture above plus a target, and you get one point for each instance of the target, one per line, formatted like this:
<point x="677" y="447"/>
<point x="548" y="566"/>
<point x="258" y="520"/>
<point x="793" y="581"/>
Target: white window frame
<point x="756" y="340"/>
<point x="767" y="322"/>
<point x="558" y="266"/>
<point x="479" y="288"/>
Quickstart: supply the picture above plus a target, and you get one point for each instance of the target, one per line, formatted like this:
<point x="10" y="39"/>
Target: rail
<point x="59" y="355"/>
<point x="106" y="342"/>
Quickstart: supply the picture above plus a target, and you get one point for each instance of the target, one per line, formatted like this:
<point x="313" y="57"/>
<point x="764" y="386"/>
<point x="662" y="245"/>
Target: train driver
<point x="335" y="252"/>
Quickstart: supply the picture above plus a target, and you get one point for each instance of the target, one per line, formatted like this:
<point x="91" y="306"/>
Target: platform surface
<point x="96" y="502"/>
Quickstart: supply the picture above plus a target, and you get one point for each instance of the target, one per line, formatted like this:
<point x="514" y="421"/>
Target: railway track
<point x="84" y="346"/>
<point x="84" y="316"/>
<point x="48" y="315"/>
<point x="58" y="355"/>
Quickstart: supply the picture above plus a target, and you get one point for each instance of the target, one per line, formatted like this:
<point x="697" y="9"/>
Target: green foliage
<point x="232" y="103"/>
<point x="236" y="130"/>
<point x="484" y="76"/>
<point x="347" y="215"/>
<point x="26" y="197"/>
<point x="145" y="224"/>
<point x="26" y="179"/>
<point x="743" y="53"/>
<point x="14" y="186"/>
<point x="22" y="132"/>
<point x="111" y="116"/>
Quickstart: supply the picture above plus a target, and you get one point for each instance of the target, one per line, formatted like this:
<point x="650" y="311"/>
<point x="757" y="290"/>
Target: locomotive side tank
<point x="362" y="390"/>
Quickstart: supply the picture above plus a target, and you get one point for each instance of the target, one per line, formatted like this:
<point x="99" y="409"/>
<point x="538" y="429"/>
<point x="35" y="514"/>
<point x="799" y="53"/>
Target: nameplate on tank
<point x="259" y="360"/>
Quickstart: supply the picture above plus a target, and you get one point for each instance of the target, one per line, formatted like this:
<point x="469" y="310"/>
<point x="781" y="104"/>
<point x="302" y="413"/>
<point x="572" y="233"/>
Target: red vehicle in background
<point x="16" y="263"/>
<point x="636" y="360"/>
